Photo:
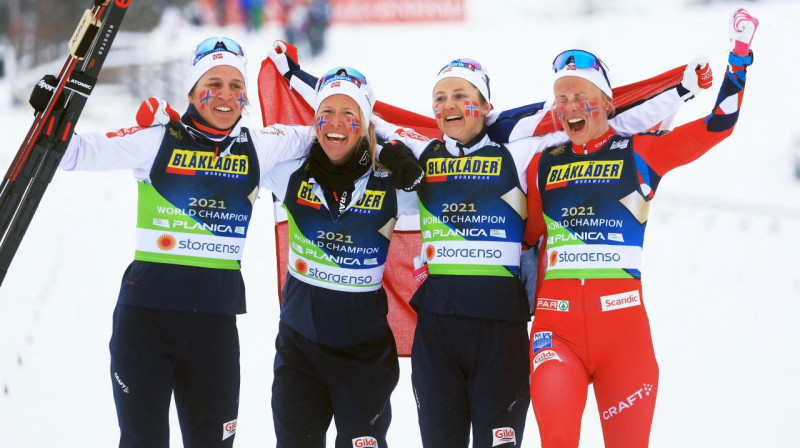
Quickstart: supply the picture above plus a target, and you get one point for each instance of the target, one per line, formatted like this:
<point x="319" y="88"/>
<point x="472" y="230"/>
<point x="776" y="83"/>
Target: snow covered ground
<point x="721" y="276"/>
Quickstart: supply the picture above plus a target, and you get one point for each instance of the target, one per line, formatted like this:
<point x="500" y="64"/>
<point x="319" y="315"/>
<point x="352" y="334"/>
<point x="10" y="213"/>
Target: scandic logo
<point x="476" y="168"/>
<point x="584" y="172"/>
<point x="619" y="301"/>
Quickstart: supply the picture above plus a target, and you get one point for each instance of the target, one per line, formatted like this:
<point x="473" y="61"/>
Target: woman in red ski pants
<point x="588" y="206"/>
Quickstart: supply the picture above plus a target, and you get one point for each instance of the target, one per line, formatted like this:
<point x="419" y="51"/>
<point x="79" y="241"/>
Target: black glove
<point x="43" y="91"/>
<point x="407" y="174"/>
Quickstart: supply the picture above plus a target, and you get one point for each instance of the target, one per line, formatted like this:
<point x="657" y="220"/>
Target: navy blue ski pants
<point x="466" y="371"/>
<point x="314" y="382"/>
<point x="155" y="353"/>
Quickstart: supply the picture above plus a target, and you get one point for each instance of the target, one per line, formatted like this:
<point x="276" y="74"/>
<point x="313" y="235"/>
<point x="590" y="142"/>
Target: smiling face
<point x="460" y="112"/>
<point x="339" y="127"/>
<point x="219" y="96"/>
<point x="581" y="108"/>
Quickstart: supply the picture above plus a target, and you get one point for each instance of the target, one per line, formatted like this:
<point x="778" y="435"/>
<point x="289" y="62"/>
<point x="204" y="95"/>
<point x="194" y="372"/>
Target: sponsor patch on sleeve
<point x="228" y="429"/>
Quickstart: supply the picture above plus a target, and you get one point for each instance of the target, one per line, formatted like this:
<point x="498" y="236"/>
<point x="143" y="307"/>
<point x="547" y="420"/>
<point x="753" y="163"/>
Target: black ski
<point x="35" y="163"/>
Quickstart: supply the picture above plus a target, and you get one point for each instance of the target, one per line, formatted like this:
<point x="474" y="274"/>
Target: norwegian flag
<point x="281" y="104"/>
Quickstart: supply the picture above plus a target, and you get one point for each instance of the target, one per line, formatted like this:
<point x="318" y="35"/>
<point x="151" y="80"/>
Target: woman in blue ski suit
<point x="336" y="355"/>
<point x="174" y="326"/>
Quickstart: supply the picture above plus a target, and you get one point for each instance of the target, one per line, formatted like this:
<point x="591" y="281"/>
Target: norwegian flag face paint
<point x="471" y="108"/>
<point x="206" y="98"/>
<point x="241" y="99"/>
<point x="437" y="113"/>
<point x="321" y="121"/>
<point x="354" y="124"/>
<point x="591" y="108"/>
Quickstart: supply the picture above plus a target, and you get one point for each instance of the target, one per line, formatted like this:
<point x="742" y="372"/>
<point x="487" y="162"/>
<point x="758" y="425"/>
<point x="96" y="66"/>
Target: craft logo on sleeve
<point x="584" y="172"/>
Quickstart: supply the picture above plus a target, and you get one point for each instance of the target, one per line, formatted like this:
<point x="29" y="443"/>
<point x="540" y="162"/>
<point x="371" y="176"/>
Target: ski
<point x="38" y="157"/>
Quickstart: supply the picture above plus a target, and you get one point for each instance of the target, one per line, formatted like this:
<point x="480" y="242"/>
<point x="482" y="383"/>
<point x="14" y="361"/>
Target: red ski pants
<point x="593" y="332"/>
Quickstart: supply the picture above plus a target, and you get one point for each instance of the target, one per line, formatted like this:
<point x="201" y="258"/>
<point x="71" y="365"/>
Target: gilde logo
<point x="366" y="441"/>
<point x="503" y="435"/>
<point x="228" y="429"/>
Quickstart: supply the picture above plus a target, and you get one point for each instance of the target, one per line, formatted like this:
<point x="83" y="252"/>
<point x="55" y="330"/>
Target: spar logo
<point x="552" y="305"/>
<point x="503" y="435"/>
<point x="228" y="429"/>
<point x="584" y="173"/>
<point x="366" y="441"/>
<point x="306" y="197"/>
<point x="203" y="163"/>
<point x="463" y="168"/>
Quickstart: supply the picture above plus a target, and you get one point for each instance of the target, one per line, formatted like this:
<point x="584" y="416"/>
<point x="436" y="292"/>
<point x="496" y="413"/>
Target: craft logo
<point x="552" y="305"/>
<point x="584" y="172"/>
<point x="123" y="132"/>
<point x="402" y="132"/>
<point x="306" y="197"/>
<point x="364" y="442"/>
<point x="201" y="163"/>
<point x="463" y="168"/>
<point x="628" y="402"/>
<point x="371" y="200"/>
<point x="503" y="435"/>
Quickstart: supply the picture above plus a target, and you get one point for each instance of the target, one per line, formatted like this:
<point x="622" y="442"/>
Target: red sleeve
<point x="535" y="226"/>
<point x="686" y="143"/>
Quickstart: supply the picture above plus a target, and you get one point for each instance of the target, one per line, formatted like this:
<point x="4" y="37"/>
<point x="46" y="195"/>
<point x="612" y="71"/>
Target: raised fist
<point x="155" y="111"/>
<point x="742" y="28"/>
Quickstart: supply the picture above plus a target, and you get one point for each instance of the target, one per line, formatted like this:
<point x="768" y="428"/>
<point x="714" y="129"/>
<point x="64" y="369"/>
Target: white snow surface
<point x="721" y="277"/>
